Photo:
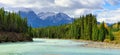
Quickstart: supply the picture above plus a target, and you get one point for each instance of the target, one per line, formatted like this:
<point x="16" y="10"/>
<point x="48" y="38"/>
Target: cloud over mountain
<point x="73" y="8"/>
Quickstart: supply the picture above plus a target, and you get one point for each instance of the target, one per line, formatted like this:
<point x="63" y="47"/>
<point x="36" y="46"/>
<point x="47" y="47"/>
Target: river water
<point x="52" y="47"/>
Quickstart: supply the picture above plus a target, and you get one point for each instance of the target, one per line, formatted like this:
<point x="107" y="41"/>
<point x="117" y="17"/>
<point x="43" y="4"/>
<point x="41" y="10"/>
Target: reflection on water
<point x="52" y="47"/>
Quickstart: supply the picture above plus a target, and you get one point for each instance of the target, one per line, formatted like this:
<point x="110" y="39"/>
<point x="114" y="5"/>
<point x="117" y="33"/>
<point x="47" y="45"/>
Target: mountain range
<point x="44" y="19"/>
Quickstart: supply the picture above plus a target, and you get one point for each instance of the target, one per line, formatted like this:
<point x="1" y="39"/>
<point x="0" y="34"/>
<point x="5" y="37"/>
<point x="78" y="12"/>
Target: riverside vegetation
<point x="13" y="28"/>
<point x="85" y="27"/>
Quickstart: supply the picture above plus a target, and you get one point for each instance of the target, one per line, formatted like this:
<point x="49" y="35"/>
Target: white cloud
<point x="57" y="4"/>
<point x="109" y="16"/>
<point x="113" y="2"/>
<point x="79" y="12"/>
<point x="63" y="3"/>
<point x="26" y="3"/>
<point x="70" y="4"/>
<point x="9" y="2"/>
<point x="80" y="3"/>
<point x="73" y="8"/>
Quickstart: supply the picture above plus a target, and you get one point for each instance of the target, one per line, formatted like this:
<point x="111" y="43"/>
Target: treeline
<point x="85" y="27"/>
<point x="13" y="22"/>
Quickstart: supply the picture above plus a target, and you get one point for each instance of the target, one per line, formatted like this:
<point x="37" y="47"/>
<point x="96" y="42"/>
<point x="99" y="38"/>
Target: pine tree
<point x="95" y="30"/>
<point x="102" y="32"/>
<point x="111" y="35"/>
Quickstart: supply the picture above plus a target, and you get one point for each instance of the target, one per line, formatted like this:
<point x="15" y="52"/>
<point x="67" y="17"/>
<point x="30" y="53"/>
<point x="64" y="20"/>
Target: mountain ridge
<point x="44" y="19"/>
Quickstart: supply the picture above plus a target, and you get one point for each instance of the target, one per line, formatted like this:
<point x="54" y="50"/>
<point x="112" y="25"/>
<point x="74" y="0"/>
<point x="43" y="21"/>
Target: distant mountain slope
<point x="52" y="19"/>
<point x="32" y="18"/>
<point x="44" y="19"/>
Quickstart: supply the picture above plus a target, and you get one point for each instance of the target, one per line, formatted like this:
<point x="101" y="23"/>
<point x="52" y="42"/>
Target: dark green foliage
<point x="111" y="35"/>
<point x="13" y="27"/>
<point x="118" y="27"/>
<point x="102" y="32"/>
<point x="12" y="22"/>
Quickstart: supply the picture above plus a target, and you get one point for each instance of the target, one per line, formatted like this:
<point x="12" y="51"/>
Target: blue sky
<point x="105" y="10"/>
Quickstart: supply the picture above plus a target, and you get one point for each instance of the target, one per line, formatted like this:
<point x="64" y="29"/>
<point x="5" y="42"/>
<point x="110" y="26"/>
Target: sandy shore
<point x="99" y="44"/>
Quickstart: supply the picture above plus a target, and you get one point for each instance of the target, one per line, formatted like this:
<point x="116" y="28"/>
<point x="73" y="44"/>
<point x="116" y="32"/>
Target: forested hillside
<point x="84" y="27"/>
<point x="13" y="27"/>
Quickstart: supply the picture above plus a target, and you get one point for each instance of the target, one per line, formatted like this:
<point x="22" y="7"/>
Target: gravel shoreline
<point x="99" y="44"/>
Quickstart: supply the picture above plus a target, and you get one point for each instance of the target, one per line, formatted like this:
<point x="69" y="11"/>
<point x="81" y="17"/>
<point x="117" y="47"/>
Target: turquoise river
<point x="52" y="47"/>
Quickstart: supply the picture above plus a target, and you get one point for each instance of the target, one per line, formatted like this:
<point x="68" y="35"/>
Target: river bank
<point x="14" y="37"/>
<point x="94" y="44"/>
<point x="99" y="44"/>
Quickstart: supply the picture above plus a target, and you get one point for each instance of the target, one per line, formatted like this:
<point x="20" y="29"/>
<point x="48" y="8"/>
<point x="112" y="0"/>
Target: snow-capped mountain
<point x="44" y="15"/>
<point x="52" y="19"/>
<point x="44" y="19"/>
